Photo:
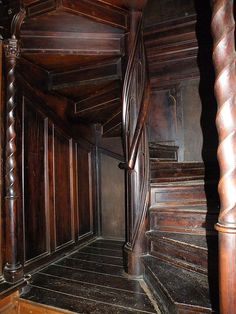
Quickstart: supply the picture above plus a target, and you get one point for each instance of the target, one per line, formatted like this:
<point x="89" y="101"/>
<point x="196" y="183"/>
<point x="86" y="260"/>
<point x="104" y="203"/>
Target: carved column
<point x="13" y="270"/>
<point x="223" y="27"/>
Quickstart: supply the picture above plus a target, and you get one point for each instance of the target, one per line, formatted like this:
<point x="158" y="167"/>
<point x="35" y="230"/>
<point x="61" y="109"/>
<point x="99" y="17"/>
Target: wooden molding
<point x="35" y="8"/>
<point x="77" y="43"/>
<point x="98" y="12"/>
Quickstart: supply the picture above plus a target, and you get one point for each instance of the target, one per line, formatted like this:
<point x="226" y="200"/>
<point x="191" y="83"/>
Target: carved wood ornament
<point x="223" y="28"/>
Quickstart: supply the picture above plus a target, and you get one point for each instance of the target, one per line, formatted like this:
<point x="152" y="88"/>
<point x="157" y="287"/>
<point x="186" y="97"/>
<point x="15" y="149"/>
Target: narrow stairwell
<point x="183" y="244"/>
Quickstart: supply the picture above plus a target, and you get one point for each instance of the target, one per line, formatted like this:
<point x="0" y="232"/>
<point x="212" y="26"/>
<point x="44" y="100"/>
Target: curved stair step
<point x="178" y="290"/>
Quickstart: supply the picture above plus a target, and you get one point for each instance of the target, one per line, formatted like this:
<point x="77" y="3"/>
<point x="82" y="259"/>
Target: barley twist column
<point x="223" y="27"/>
<point x="13" y="269"/>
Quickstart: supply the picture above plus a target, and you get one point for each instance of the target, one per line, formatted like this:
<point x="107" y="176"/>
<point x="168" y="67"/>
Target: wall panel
<point x="36" y="229"/>
<point x="112" y="198"/>
<point x="62" y="189"/>
<point x="85" y="191"/>
<point x="57" y="186"/>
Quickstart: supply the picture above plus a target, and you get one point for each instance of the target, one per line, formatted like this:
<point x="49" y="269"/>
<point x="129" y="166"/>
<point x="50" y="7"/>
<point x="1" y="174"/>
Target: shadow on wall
<point x="210" y="136"/>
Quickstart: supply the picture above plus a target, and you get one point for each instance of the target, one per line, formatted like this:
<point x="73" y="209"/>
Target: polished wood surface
<point x="135" y="98"/>
<point x="13" y="269"/>
<point x="223" y="27"/>
<point x="75" y="59"/>
<point x="2" y="106"/>
<point x="9" y="305"/>
<point x="61" y="212"/>
<point x="89" y="280"/>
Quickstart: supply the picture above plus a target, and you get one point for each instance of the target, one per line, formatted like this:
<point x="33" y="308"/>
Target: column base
<point x="132" y="262"/>
<point x="13" y="273"/>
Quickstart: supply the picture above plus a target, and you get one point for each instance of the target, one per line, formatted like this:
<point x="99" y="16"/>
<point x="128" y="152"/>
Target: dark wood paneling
<point x="36" y="229"/>
<point x="163" y="10"/>
<point x="85" y="191"/>
<point x="163" y="117"/>
<point x="51" y="165"/>
<point x="62" y="188"/>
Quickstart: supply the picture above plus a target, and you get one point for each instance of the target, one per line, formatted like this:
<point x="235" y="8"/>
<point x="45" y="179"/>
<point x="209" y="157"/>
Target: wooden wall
<point x="112" y="198"/>
<point x="57" y="186"/>
<point x="183" y="108"/>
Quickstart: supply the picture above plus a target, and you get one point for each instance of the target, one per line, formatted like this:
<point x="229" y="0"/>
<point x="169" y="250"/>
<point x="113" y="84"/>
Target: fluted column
<point x="223" y="27"/>
<point x="13" y="269"/>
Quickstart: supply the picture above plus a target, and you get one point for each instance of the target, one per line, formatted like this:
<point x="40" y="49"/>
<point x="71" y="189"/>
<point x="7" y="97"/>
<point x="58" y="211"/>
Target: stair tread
<point x="178" y="183"/>
<point x="182" y="286"/>
<point x="187" y="205"/>
<point x="195" y="240"/>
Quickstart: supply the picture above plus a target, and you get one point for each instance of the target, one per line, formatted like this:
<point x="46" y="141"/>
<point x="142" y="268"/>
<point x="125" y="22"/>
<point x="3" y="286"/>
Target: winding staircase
<point x="86" y="59"/>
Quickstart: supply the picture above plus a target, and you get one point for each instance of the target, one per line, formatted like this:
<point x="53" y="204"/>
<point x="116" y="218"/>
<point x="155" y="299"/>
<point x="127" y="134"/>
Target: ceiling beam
<point x="89" y="75"/>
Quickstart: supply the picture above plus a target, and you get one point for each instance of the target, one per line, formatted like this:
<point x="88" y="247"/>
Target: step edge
<point x="173" y="301"/>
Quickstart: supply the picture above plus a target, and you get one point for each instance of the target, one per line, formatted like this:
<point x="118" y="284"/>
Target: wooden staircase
<point x="183" y="244"/>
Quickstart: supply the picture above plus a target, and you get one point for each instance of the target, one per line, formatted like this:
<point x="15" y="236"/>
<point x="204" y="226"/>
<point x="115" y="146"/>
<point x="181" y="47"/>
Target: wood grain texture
<point x="223" y="28"/>
<point x="36" y="211"/>
<point x="88" y="286"/>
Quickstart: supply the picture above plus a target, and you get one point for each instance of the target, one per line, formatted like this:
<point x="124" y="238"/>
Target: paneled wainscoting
<point x="89" y="280"/>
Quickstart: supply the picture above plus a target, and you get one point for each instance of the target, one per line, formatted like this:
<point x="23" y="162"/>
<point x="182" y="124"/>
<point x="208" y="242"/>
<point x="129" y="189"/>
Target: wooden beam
<point x="72" y="43"/>
<point x="98" y="73"/>
<point x="223" y="30"/>
<point x="97" y="11"/>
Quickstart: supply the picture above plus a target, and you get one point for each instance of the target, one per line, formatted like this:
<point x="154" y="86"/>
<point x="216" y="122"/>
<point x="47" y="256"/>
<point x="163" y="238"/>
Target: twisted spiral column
<point x="13" y="268"/>
<point x="224" y="57"/>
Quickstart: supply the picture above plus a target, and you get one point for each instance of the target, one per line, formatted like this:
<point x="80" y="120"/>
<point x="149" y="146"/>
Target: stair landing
<point x="89" y="280"/>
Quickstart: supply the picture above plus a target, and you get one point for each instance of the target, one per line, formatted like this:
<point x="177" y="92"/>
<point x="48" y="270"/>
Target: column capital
<point x="12" y="48"/>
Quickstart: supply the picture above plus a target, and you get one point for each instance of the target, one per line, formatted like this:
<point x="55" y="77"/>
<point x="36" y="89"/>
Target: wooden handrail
<point x="144" y="100"/>
<point x="136" y="93"/>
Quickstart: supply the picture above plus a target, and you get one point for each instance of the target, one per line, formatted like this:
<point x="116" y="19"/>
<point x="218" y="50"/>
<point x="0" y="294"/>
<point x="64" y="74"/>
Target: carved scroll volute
<point x="223" y="28"/>
<point x="13" y="270"/>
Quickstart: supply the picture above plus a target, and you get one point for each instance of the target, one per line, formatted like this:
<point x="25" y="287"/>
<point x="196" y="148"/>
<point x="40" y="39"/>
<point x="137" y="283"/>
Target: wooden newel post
<point x="224" y="57"/>
<point x="13" y="270"/>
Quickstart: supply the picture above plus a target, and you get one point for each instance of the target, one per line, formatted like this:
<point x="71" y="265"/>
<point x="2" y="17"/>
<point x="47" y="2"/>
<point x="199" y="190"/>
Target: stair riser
<point x="181" y="254"/>
<point x="182" y="221"/>
<point x="164" y="302"/>
<point x="177" y="194"/>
